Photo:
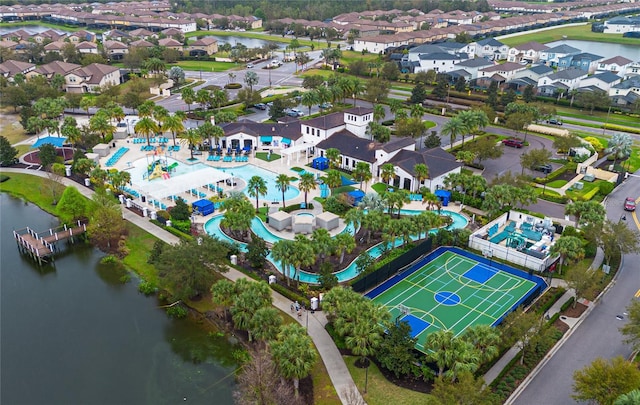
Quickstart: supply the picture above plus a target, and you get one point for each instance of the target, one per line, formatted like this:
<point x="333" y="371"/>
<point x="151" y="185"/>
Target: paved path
<point x="333" y="361"/>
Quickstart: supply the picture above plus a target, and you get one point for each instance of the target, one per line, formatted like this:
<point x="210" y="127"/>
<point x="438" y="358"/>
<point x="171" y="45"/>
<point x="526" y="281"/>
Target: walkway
<point x="333" y="361"/>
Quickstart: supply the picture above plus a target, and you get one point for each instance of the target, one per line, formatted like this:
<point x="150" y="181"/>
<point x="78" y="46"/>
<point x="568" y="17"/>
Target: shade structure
<point x="203" y="207"/>
<point x="163" y="188"/>
<point x="444" y="196"/>
<point x="266" y="139"/>
<point x="320" y="163"/>
<point x="56" y="141"/>
<point x="285" y="141"/>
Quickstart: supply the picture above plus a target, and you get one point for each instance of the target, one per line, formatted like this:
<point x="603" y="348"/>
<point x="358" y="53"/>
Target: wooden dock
<point x="42" y="246"/>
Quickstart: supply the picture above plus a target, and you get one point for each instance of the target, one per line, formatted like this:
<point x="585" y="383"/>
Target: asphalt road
<point x="598" y="335"/>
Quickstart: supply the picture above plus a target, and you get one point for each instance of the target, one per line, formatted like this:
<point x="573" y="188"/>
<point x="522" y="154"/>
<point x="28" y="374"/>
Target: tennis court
<point x="453" y="290"/>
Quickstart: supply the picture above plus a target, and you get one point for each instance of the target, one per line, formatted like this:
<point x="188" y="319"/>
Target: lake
<point x="74" y="334"/>
<point x="248" y="42"/>
<point x="602" y="48"/>
<point x="31" y="29"/>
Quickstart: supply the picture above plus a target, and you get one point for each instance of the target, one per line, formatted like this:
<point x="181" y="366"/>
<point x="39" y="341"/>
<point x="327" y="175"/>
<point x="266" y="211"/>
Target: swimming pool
<point x="245" y="172"/>
<point x="212" y="227"/>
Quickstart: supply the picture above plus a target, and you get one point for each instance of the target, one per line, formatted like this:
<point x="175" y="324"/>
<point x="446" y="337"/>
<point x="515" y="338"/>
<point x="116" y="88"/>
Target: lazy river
<point x="212" y="227"/>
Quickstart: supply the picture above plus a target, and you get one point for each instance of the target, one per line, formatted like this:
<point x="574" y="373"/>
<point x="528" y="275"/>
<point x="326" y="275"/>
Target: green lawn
<point x="380" y="391"/>
<point x="580" y="32"/>
<point x="576" y="194"/>
<point x="352" y="56"/>
<point x="318" y="72"/>
<point x="380" y="188"/>
<point x="31" y="188"/>
<point x="343" y="189"/>
<point x="208" y="66"/>
<point x="11" y="128"/>
<point x="599" y="117"/>
<point x="263" y="156"/>
<point x="429" y="124"/>
<point x="140" y="243"/>
<point x="557" y="183"/>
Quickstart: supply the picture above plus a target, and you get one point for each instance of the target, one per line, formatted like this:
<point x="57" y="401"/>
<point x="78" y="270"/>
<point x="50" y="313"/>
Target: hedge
<point x="233" y="86"/>
<point x="620" y="128"/>
<point x="295" y="207"/>
<point x="290" y="294"/>
<point x="590" y="194"/>
<point x="172" y="230"/>
<point x="567" y="304"/>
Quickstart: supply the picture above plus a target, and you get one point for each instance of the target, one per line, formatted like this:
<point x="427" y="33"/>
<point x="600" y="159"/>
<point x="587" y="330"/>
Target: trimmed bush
<point x="290" y="294"/>
<point x="567" y="304"/>
<point x="177" y="311"/>
<point x="4" y="178"/>
<point x="590" y="194"/>
<point x="147" y="288"/>
<point x="295" y="207"/>
<point x="614" y="127"/>
<point x="233" y="86"/>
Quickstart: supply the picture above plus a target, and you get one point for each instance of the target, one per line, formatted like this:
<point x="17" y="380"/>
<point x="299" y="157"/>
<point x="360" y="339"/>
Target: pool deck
<point x="277" y="166"/>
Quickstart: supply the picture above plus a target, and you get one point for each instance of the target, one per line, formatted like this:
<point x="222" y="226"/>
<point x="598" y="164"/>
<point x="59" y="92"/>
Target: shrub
<point x="233" y="86"/>
<point x="621" y="128"/>
<point x="109" y="259"/>
<point x="290" y="294"/>
<point x="163" y="214"/>
<point x="147" y="288"/>
<point x="177" y="312"/>
<point x="182" y="226"/>
<point x="335" y="206"/>
<point x="567" y="304"/>
<point x="590" y="194"/>
<point x="4" y="178"/>
<point x="590" y="249"/>
<point x="295" y="207"/>
<point x="606" y="188"/>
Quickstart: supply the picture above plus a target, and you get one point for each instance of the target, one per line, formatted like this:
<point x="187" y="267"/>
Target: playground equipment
<point x="158" y="166"/>
<point x="156" y="172"/>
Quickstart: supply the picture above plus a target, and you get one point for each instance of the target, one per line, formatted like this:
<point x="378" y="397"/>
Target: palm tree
<point x="282" y="184"/>
<point x="417" y="111"/>
<point x="147" y="127"/>
<point x="257" y="187"/>
<point x="160" y="114"/>
<point x="222" y="293"/>
<point x="146" y="109"/>
<point x="387" y="172"/>
<point x="219" y="97"/>
<point x="454" y="127"/>
<point x="336" y="93"/>
<point x="324" y="94"/>
<point x="362" y="173"/>
<point x="309" y="99"/>
<point x="439" y="346"/>
<point x="86" y="103"/>
<point x="333" y="155"/>
<point x="322" y="242"/>
<point x="265" y="324"/>
<point x="486" y="339"/>
<point x="294" y="354"/>
<point x="101" y="124"/>
<point x="619" y="146"/>
<point x="282" y="251"/>
<point x="155" y="65"/>
<point x="188" y="96"/>
<point x="333" y="179"/>
<point x="174" y="124"/>
<point x="481" y="121"/>
<point x="422" y="173"/>
<point x="344" y="242"/>
<point x="357" y="88"/>
<point x="353" y="217"/>
<point x="378" y="112"/>
<point x="70" y="131"/>
<point x="191" y="137"/>
<point x="307" y="183"/>
<point x="116" y="113"/>
<point x="569" y="248"/>
<point x="203" y="97"/>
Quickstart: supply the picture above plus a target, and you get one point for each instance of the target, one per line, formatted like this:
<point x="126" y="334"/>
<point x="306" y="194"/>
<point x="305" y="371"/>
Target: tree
<point x="282" y="251"/>
<point x="518" y="121"/>
<point x="630" y="398"/>
<point x="283" y="182"/>
<point x="238" y="214"/>
<point x="47" y="154"/>
<point x="485" y="148"/>
<point x="461" y="84"/>
<point x="188" y="96"/>
<point x="15" y="96"/>
<point x="72" y="205"/>
<point x="101" y="123"/>
<point x="593" y="99"/>
<point x="7" y="152"/>
<point x="276" y="110"/>
<point x="520" y="329"/>
<point x="438" y="347"/>
<point x="390" y="71"/>
<point x="492" y="95"/>
<point x="528" y="94"/>
<point x="631" y="330"/>
<point x="508" y="97"/>
<point x="453" y="128"/>
<point x="333" y="179"/>
<point x="396" y="351"/>
<point x="569" y="248"/>
<point x="534" y="158"/>
<point x="154" y="65"/>
<point x="387" y="172"/>
<point x="176" y="73"/>
<point x="603" y="380"/>
<point x="309" y="99"/>
<point x="565" y="143"/>
<point x="257" y="187"/>
<point x="265" y="324"/>
<point x="362" y="173"/>
<point x="421" y="171"/>
<point x="616" y="238"/>
<point x="619" y="146"/>
<point x="432" y="141"/>
<point x="344" y="242"/>
<point x="586" y="212"/>
<point x="486" y="339"/>
<point x="442" y="88"/>
<point x="191" y="137"/>
<point x="257" y="252"/>
<point x="376" y="90"/>
<point x="147" y="127"/>
<point x="307" y="183"/>
<point x="251" y="79"/>
<point x="250" y="297"/>
<point x="294" y="354"/>
<point x="106" y="226"/>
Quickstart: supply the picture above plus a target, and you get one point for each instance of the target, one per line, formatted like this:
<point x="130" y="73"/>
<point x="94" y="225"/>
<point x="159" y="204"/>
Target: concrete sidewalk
<point x="315" y="323"/>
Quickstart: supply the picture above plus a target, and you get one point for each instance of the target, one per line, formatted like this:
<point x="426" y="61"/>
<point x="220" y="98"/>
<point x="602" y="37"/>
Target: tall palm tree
<point x="101" y="124"/>
<point x="71" y="131"/>
<point x="146" y="109"/>
<point x="155" y="65"/>
<point x="265" y="324"/>
<point x="438" y="347"/>
<point x="486" y="339"/>
<point x="387" y="172"/>
<point x="160" y="114"/>
<point x="378" y="112"/>
<point x="86" y="103"/>
<point x="174" y="124"/>
<point x="481" y="121"/>
<point x="333" y="156"/>
<point x="294" y="354"/>
<point x="569" y="248"/>
<point x="283" y="182"/>
<point x="307" y="183"/>
<point x="417" y="111"/>
<point x="309" y="99"/>
<point x="282" y="251"/>
<point x="203" y="97"/>
<point x="303" y="255"/>
<point x="191" y="137"/>
<point x="222" y="294"/>
<point x="322" y="242"/>
<point x="337" y="93"/>
<point x="324" y="94"/>
<point x="147" y="127"/>
<point x="362" y="173"/>
<point x="453" y="128"/>
<point x="422" y="173"/>
<point x="357" y="88"/>
<point x="188" y="96"/>
<point x="395" y="106"/>
<point x="257" y="187"/>
<point x="344" y="242"/>
<point x="333" y="179"/>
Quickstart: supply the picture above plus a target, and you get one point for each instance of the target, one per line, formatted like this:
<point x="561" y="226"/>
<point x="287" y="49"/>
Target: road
<point x="598" y="335"/>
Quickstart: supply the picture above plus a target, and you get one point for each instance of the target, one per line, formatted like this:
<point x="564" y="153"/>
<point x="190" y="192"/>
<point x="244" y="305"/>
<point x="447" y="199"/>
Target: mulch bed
<point x="575" y="312"/>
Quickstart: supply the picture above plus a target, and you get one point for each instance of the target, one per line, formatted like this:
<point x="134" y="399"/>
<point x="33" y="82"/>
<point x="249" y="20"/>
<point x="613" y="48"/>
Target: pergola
<point x="160" y="189"/>
<point x="296" y="149"/>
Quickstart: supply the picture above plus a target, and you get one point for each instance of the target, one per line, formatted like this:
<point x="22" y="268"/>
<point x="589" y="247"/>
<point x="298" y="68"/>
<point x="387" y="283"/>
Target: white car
<point x="249" y="65"/>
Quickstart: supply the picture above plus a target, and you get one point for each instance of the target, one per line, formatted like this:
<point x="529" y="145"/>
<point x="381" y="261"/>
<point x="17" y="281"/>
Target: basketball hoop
<point x="404" y="310"/>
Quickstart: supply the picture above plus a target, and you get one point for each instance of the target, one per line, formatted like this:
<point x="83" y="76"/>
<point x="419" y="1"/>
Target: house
<point x="10" y="68"/>
<point x="245" y="133"/>
<point x="353" y="150"/>
<point x="115" y="50"/>
<point x="203" y="46"/>
<point x="535" y="72"/>
<point x="56" y="67"/>
<point x="491" y="49"/>
<point x="626" y="92"/>
<point x="633" y="70"/>
<point x="379" y="43"/>
<point x="551" y="57"/>
<point x="526" y="53"/>
<point x="472" y="66"/>
<point x="499" y="73"/>
<point x="171" y="43"/>
<point x="141" y="33"/>
<point x="116" y="35"/>
<point x="172" y="33"/>
<point x="584" y="61"/>
<point x="439" y="162"/>
<point x="621" y="25"/>
<point x="92" y="78"/>
<point x="617" y="64"/>
<point x="55" y="47"/>
<point x="46" y="36"/>
<point x="81" y="36"/>
<point x="87" y="47"/>
<point x="603" y="81"/>
<point x="141" y="43"/>
<point x="563" y="80"/>
<point x="440" y="62"/>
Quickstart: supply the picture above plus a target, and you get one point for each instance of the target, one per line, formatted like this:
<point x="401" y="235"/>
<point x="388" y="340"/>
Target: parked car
<point x="512" y="142"/>
<point x="554" y="121"/>
<point x="629" y="204"/>
<point x="250" y="65"/>
<point x="325" y="106"/>
<point x="297" y="112"/>
<point x="545" y="168"/>
<point x="260" y="106"/>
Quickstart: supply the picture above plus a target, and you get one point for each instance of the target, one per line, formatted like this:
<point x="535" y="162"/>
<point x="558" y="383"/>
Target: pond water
<point x="248" y="42"/>
<point x="32" y="29"/>
<point x="602" y="48"/>
<point x="74" y="334"/>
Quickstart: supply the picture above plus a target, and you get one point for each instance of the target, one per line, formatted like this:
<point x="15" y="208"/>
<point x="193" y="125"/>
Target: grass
<point x="557" y="183"/>
<point x="580" y="32"/>
<point x="574" y="194"/>
<point x="257" y="35"/>
<point x="31" y="188"/>
<point x="599" y="117"/>
<point x="352" y="56"/>
<point x="318" y="72"/>
<point x="343" y="189"/>
<point x="11" y="128"/>
<point x="429" y="124"/>
<point x="263" y="156"/>
<point x="126" y="87"/>
<point x="208" y="66"/>
<point x="380" y="188"/>
<point x="140" y="243"/>
<point x="324" y="393"/>
<point x="379" y="390"/>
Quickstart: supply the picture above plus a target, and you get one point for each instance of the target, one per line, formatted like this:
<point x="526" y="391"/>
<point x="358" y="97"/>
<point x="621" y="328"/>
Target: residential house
<point x="245" y="133"/>
<point x="92" y="78"/>
<point x="115" y="50"/>
<point x="633" y="70"/>
<point x="535" y="72"/>
<point x="81" y="36"/>
<point x="116" y="35"/>
<point x="87" y="47"/>
<point x="551" y="57"/>
<point x="320" y="128"/>
<point x="491" y="49"/>
<point x="141" y="43"/>
<point x="142" y="33"/>
<point x="379" y="44"/>
<point x="439" y="162"/>
<point x="10" y="68"/>
<point x="56" y="67"/>
<point x="8" y="44"/>
<point x="621" y="25"/>
<point x="602" y="81"/>
<point x="560" y="82"/>
<point x="526" y="53"/>
<point x="171" y="43"/>
<point x="46" y="36"/>
<point x="583" y="61"/>
<point x="353" y="150"/>
<point x="472" y="66"/>
<point x="55" y="47"/>
<point x="625" y="93"/>
<point x="440" y="62"/>
<point x="172" y="33"/>
<point x="499" y="73"/>
<point x="617" y="64"/>
<point x="203" y="46"/>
